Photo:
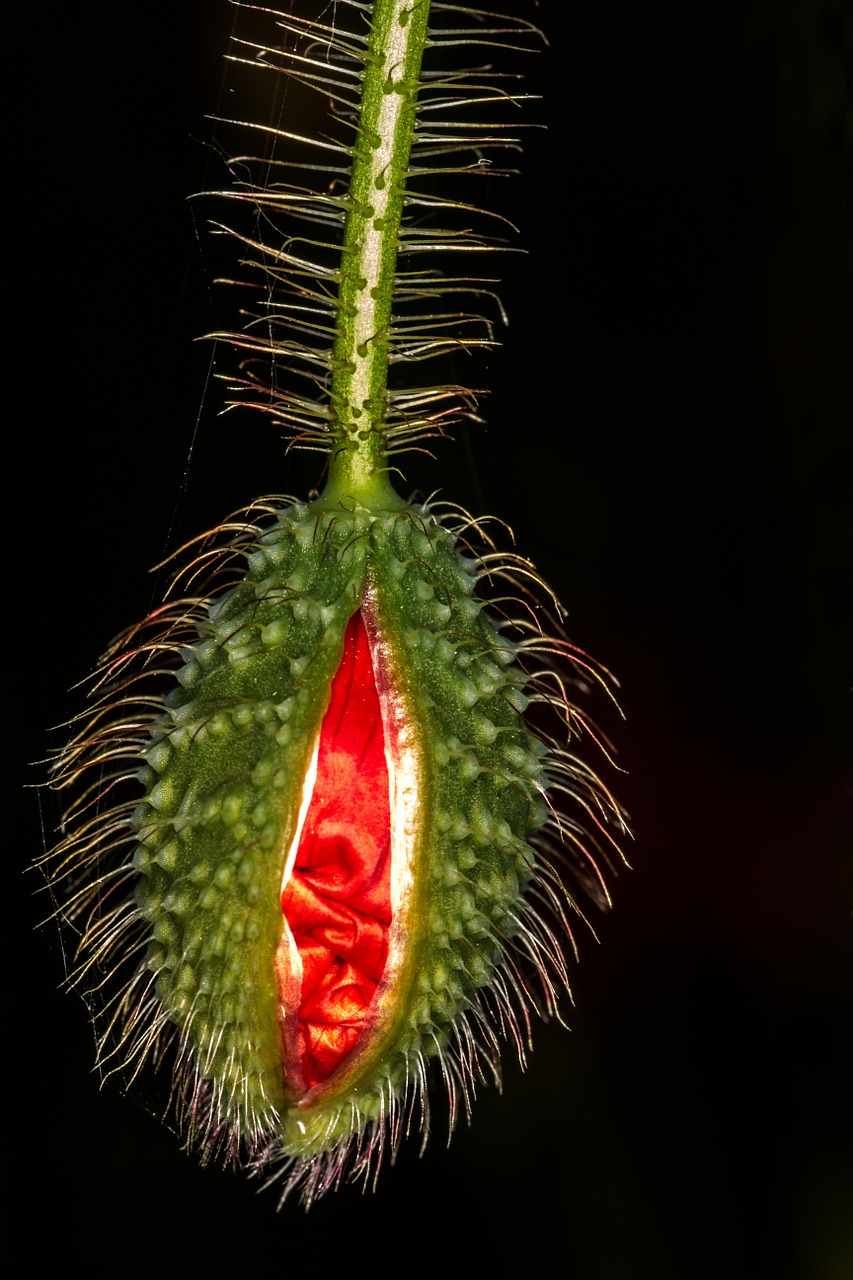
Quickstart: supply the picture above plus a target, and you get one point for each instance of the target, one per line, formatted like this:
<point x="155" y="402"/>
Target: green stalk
<point x="386" y="126"/>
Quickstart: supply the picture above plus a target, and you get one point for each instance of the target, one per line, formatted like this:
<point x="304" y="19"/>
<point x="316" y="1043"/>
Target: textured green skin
<point x="223" y="787"/>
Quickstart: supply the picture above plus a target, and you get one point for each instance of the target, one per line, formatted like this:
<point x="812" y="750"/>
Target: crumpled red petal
<point x="338" y="900"/>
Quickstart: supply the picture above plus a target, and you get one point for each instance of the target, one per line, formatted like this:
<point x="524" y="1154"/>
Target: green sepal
<point x="224" y="781"/>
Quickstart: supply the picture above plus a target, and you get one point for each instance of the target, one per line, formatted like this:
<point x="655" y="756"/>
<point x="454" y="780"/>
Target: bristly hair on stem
<point x="348" y="281"/>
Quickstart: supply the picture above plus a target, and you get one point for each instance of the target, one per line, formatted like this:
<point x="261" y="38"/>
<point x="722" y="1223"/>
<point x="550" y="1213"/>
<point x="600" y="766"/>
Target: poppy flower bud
<point x="333" y="844"/>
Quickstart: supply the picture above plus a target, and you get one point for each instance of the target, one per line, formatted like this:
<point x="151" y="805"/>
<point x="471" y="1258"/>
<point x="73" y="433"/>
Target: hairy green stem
<point x="385" y="130"/>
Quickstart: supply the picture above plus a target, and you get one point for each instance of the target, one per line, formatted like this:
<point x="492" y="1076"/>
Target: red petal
<point x="338" y="899"/>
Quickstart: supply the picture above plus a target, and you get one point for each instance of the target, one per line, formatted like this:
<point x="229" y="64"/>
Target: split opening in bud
<point x="337" y="895"/>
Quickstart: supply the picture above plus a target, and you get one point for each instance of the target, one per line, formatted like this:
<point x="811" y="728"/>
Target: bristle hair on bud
<point x="329" y="808"/>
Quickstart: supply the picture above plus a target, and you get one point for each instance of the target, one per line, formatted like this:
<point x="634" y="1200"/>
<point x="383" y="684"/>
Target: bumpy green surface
<point x="223" y="786"/>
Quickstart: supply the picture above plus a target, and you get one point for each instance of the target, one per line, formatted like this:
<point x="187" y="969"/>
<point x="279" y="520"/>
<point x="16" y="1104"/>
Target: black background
<point x="667" y="435"/>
